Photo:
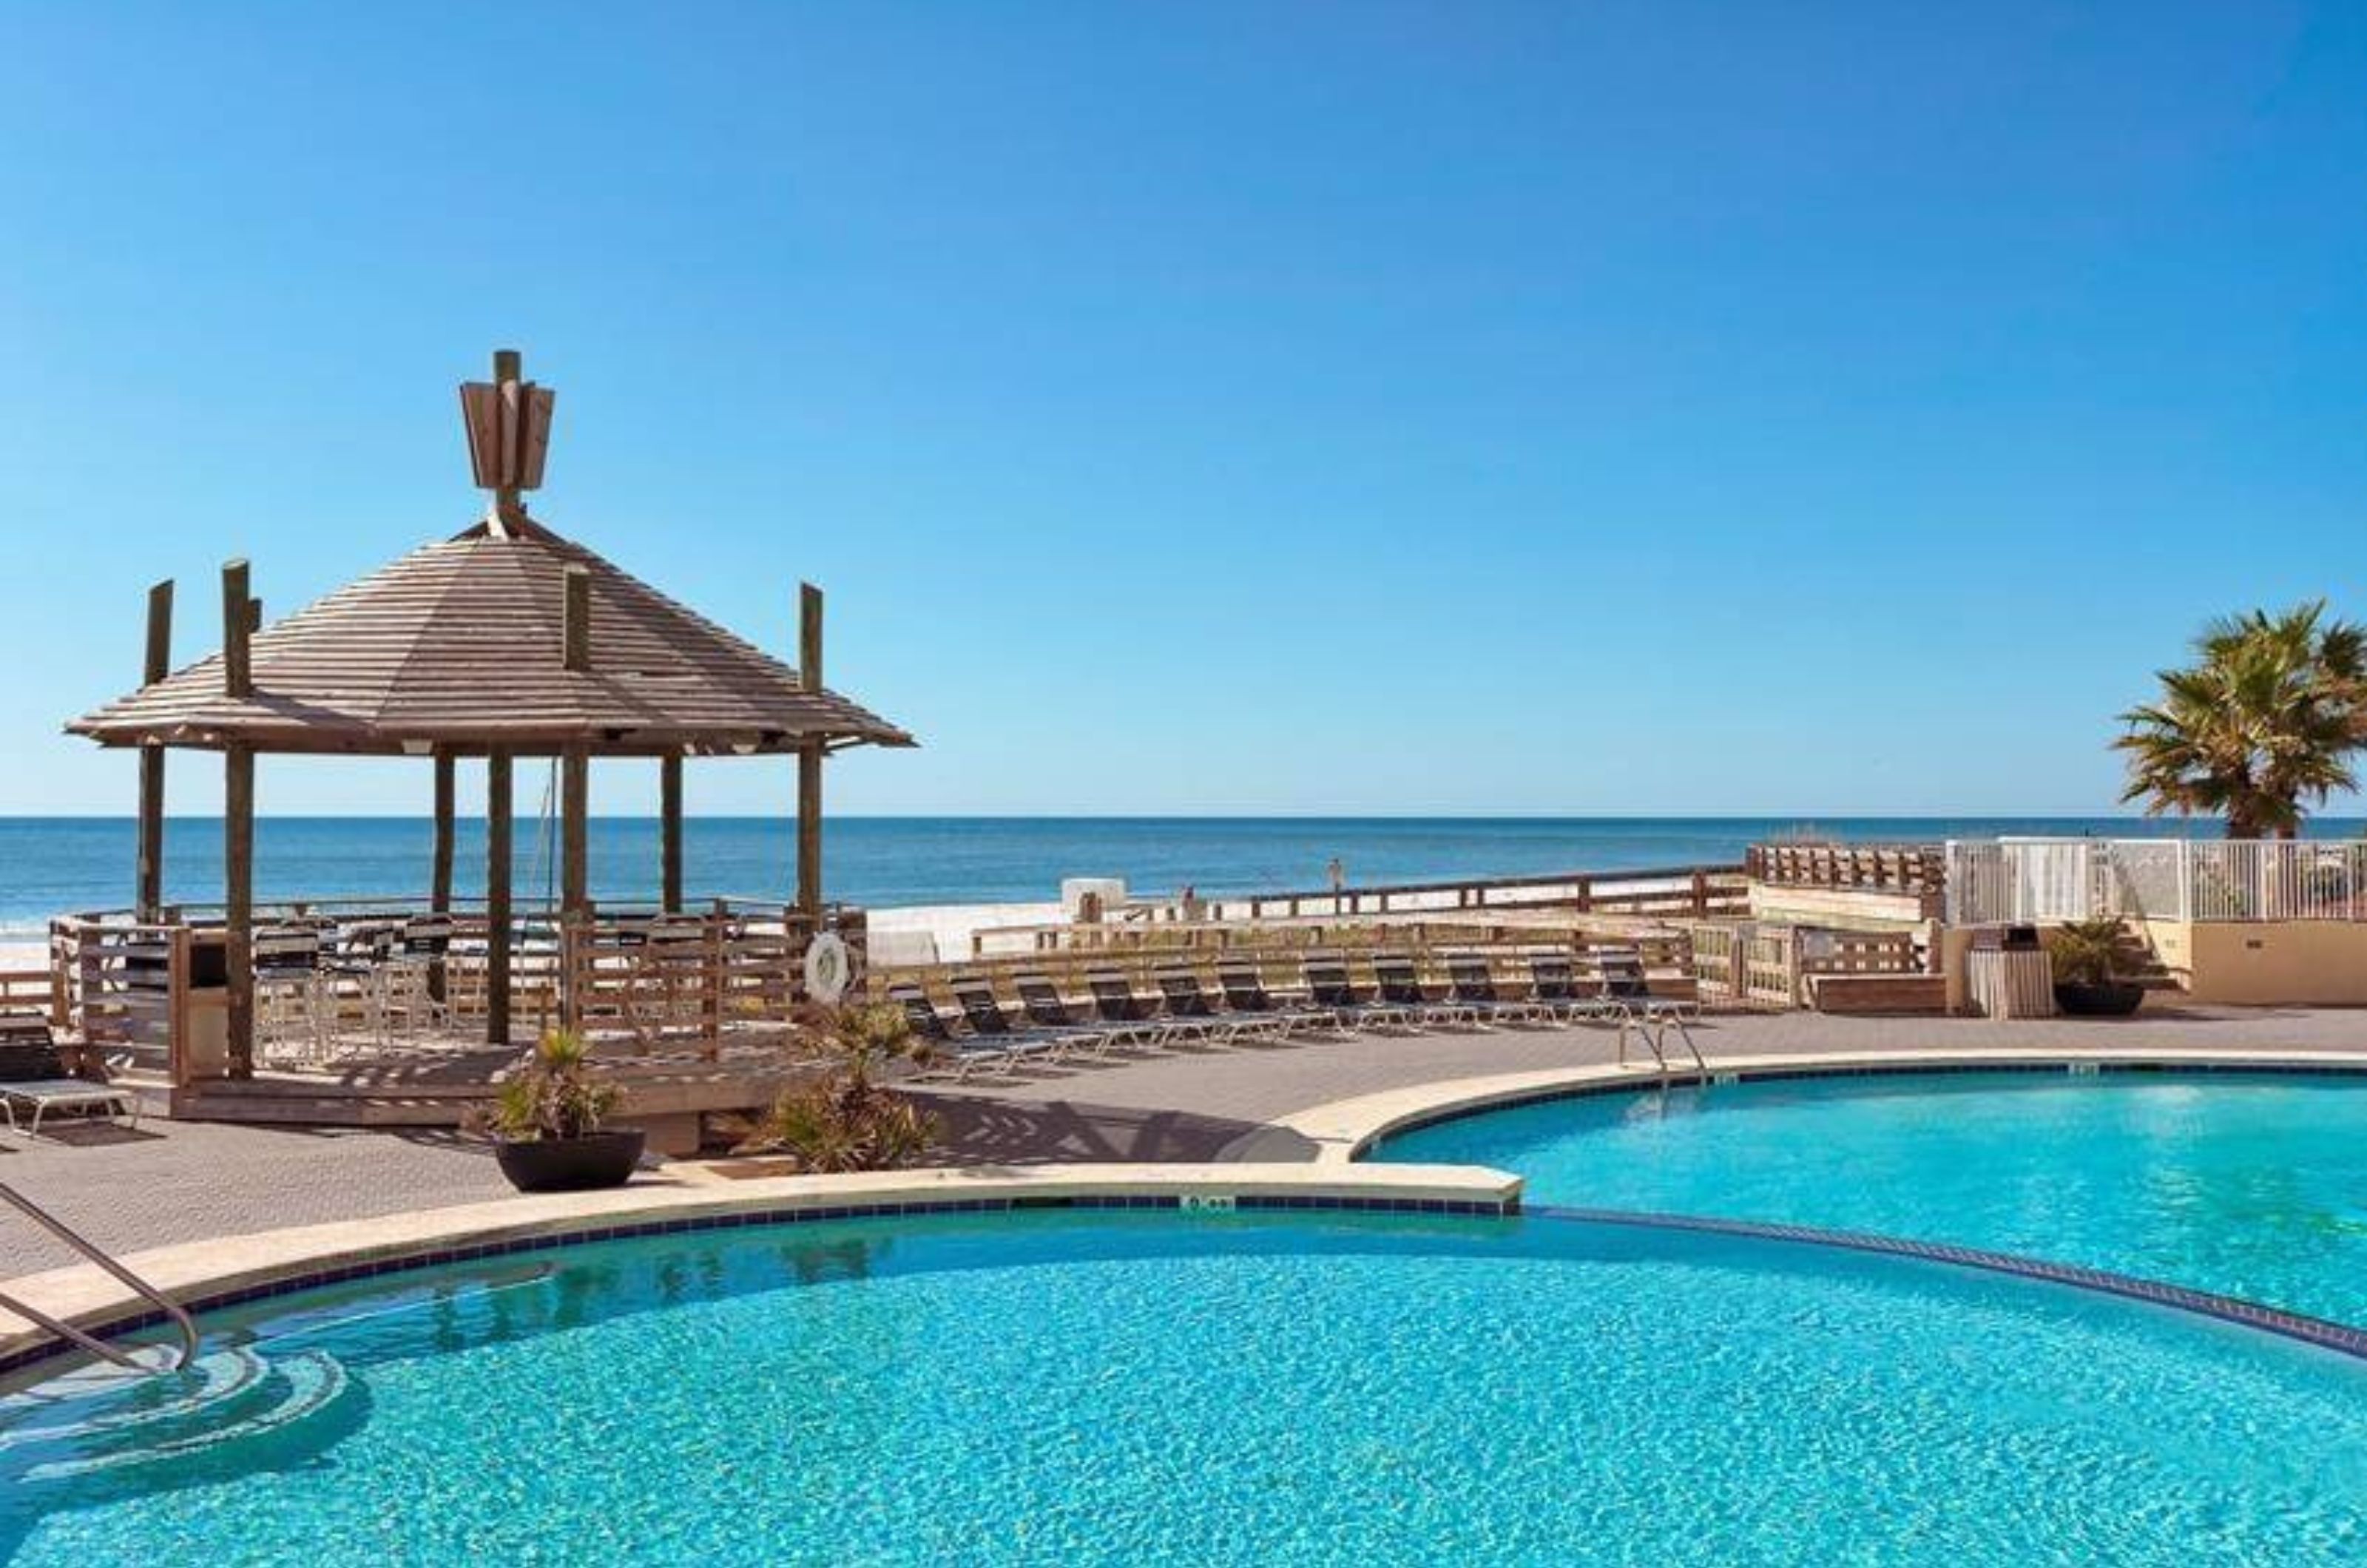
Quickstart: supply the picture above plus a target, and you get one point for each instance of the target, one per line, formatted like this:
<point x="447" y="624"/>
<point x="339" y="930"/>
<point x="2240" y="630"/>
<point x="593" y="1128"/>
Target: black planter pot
<point x="571" y="1165"/>
<point x="2107" y="998"/>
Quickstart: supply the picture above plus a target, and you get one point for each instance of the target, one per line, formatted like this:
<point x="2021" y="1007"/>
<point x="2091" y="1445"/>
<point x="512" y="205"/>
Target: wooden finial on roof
<point x="508" y="421"/>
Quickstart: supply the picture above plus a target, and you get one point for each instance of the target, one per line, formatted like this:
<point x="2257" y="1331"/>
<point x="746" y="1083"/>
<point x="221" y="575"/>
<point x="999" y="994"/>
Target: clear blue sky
<point x="1605" y="407"/>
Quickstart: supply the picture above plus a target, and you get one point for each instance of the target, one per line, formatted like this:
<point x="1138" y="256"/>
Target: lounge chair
<point x="958" y="1054"/>
<point x="983" y="1011"/>
<point x="1329" y="988"/>
<point x="1047" y="1009"/>
<point x="1117" y="1000"/>
<point x="1553" y="985"/>
<point x="1472" y="983"/>
<point x="1394" y="973"/>
<point x="1623" y="981"/>
<point x="33" y="1079"/>
<point x="1245" y="992"/>
<point x="1188" y="999"/>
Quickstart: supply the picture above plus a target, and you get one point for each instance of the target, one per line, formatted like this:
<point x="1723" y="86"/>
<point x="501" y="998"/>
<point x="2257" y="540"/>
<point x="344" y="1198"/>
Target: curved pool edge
<point x="1342" y="1132"/>
<point x="2322" y="1333"/>
<point x="221" y="1271"/>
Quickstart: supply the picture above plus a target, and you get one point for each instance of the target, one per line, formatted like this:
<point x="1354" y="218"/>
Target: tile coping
<point x="223" y="1271"/>
<point x="2323" y="1332"/>
<point x="1344" y="1131"/>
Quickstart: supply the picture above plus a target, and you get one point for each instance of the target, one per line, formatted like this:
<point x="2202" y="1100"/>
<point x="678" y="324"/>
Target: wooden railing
<point x="1666" y="958"/>
<point x="156" y="990"/>
<point x="1444" y="929"/>
<point x="1771" y="966"/>
<point x="1692" y="891"/>
<point x="1890" y="868"/>
<point x="122" y="986"/>
<point x="32" y="990"/>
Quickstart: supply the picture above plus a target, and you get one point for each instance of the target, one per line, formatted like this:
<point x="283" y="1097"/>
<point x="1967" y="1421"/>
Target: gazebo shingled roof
<point x="458" y="646"/>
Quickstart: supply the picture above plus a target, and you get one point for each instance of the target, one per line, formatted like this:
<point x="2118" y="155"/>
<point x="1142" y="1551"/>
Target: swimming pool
<point x="2245" y="1185"/>
<point x="1117" y="1388"/>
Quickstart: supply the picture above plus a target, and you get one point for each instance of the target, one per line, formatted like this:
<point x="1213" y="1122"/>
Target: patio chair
<point x="1046" y="1007"/>
<point x="288" y="993"/>
<point x="1471" y="981"/>
<point x="1398" y="982"/>
<point x="407" y="990"/>
<point x="983" y="1011"/>
<point x="1245" y="992"/>
<point x="354" y="969"/>
<point x="34" y="1079"/>
<point x="1329" y="986"/>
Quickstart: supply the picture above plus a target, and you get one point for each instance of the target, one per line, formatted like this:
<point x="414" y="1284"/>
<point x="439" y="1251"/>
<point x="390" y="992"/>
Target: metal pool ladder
<point x="182" y="1322"/>
<point x="1653" y="1030"/>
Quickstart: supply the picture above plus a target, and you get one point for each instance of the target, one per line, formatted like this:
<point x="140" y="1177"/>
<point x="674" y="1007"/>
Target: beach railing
<point x="1693" y="892"/>
<point x="2041" y="881"/>
<point x="1915" y="869"/>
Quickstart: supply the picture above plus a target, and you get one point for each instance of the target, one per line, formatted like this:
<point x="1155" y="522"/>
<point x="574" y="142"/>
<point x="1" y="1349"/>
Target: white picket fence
<point x="2038" y="880"/>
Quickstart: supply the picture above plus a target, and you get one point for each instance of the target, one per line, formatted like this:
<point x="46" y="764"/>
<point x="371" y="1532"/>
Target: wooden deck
<point x="439" y="1083"/>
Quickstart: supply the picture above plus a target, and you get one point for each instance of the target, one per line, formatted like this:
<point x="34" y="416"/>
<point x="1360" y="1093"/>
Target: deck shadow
<point x="978" y="1131"/>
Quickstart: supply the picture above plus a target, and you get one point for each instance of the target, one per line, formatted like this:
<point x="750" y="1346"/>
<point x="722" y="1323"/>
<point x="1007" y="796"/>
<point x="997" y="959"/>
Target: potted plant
<point x="842" y="1119"/>
<point x="2090" y="960"/>
<point x="546" y="1123"/>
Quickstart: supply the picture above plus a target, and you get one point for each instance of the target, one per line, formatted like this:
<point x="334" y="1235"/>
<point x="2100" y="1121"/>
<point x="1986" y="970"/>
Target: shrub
<point x="841" y="1120"/>
<point x="554" y="1096"/>
<point x="2090" y="952"/>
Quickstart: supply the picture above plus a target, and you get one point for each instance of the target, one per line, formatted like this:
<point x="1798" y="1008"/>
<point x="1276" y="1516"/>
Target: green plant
<point x="555" y="1095"/>
<point x="2261" y="726"/>
<point x="2091" y="953"/>
<point x="843" y="1119"/>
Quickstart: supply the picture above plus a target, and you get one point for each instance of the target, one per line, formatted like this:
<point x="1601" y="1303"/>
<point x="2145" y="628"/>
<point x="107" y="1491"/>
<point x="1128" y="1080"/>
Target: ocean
<point x="53" y="864"/>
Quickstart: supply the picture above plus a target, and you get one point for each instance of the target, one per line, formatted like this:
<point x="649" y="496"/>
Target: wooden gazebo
<point x="505" y="641"/>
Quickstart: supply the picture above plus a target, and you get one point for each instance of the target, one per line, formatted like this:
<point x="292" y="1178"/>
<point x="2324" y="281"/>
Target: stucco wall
<point x="2285" y="963"/>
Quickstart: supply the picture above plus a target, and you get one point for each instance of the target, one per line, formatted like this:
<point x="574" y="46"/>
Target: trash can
<point x="2007" y="974"/>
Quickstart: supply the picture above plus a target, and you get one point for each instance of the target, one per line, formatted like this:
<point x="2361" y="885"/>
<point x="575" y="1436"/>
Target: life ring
<point x="828" y="968"/>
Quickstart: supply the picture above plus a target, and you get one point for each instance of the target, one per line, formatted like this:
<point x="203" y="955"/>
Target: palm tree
<point x="2264" y="721"/>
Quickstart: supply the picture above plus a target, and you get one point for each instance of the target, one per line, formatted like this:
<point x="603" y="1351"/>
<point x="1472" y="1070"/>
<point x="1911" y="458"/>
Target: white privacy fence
<point x="2029" y="881"/>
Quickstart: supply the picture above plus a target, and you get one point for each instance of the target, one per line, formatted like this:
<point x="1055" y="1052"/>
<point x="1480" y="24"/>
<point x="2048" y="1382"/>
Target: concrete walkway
<point x="1191" y="1104"/>
<point x="174" y="1183"/>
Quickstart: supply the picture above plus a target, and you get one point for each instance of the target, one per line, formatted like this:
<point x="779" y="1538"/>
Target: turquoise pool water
<point x="1109" y="1388"/>
<point x="2248" y="1186"/>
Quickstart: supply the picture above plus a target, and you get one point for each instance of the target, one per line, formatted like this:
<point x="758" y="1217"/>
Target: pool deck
<point x="1308" y="1101"/>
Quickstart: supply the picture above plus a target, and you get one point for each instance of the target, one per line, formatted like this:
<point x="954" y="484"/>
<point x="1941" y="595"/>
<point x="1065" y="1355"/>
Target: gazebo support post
<point x="497" y="895"/>
<point x="670" y="832"/>
<point x="440" y="871"/>
<point x="238" y="905"/>
<point x="148" y="898"/>
<point x="574" y="785"/>
<point x="238" y="831"/>
<point x="809" y="755"/>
